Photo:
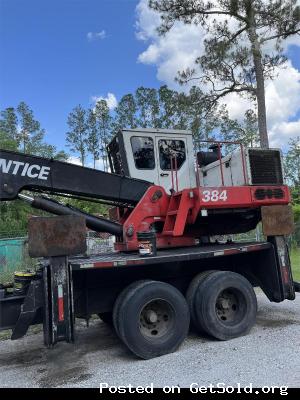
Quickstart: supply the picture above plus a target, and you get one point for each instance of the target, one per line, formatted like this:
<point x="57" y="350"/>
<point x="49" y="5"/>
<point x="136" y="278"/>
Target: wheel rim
<point x="230" y="306"/>
<point x="156" y="319"/>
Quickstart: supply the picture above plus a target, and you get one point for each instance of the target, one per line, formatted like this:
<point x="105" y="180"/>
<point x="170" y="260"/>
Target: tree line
<point x="19" y="130"/>
<point x="91" y="129"/>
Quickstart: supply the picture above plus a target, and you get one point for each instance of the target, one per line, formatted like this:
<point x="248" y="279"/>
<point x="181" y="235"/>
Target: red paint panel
<point x="156" y="205"/>
<point x="232" y="251"/>
<point x="285" y="275"/>
<point x="254" y="247"/>
<point x="61" y="314"/>
<point x="237" y="196"/>
<point x="103" y="264"/>
<point x="136" y="262"/>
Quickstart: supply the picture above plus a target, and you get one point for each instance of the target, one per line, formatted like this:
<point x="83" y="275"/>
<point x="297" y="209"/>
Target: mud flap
<point x="277" y="220"/>
<point x="283" y="266"/>
<point x="32" y="305"/>
<point x="59" y="307"/>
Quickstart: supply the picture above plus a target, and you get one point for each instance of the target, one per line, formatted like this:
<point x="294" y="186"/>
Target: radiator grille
<point x="270" y="193"/>
<point x="265" y="167"/>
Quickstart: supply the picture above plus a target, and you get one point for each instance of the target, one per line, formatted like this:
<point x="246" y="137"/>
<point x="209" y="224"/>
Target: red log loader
<point x="168" y="208"/>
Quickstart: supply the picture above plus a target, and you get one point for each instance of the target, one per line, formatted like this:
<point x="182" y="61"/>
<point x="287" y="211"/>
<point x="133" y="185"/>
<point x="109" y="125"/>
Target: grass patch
<point x="295" y="260"/>
<point x="32" y="330"/>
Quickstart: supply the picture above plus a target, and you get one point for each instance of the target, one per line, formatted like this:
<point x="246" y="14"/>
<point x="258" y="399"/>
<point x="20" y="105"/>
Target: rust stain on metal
<point x="277" y="220"/>
<point x="57" y="236"/>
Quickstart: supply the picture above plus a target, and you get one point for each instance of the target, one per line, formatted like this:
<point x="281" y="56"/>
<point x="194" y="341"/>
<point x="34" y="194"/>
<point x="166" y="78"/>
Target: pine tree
<point x="93" y="143"/>
<point x="167" y="106"/>
<point x="148" y="107"/>
<point x="245" y="132"/>
<point x="293" y="161"/>
<point x="8" y="129"/>
<point x="125" y="113"/>
<point x="77" y="136"/>
<point x="30" y="129"/>
<point x="104" y="121"/>
<point x="236" y="58"/>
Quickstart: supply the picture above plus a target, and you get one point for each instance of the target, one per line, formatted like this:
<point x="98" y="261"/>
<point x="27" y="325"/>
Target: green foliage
<point x="87" y="206"/>
<point x="125" y="113"/>
<point x="6" y="143"/>
<point x="19" y="131"/>
<point x="295" y="191"/>
<point x="93" y="140"/>
<point x="168" y="109"/>
<point x="296" y="236"/>
<point x="77" y="136"/>
<point x="295" y="261"/>
<point x="292" y="162"/>
<point x="60" y="155"/>
<point x="245" y="131"/>
<point x="167" y="106"/>
<point x="8" y="128"/>
<point x="14" y="217"/>
<point x="148" y="107"/>
<point x="296" y="209"/>
<point x="104" y="122"/>
<point x="30" y="135"/>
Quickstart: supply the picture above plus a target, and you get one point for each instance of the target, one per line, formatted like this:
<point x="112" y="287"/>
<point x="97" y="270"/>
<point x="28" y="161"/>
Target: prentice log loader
<point x="168" y="206"/>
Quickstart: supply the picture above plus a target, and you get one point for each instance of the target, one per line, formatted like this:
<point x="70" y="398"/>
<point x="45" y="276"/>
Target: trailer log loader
<point x="151" y="288"/>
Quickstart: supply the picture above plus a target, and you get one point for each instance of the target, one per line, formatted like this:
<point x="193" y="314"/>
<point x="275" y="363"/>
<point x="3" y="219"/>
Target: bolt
<point x="151" y="316"/>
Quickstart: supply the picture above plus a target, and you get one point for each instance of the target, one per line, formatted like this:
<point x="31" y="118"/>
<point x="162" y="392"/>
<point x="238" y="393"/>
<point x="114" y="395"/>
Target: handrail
<point x="219" y="144"/>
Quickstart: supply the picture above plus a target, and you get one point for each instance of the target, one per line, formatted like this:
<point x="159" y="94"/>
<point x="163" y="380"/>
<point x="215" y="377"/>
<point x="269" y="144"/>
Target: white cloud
<point x="74" y="160"/>
<point x="178" y="50"/>
<point x="283" y="132"/>
<point x="100" y="164"/>
<point x="175" y="51"/>
<point x="282" y="102"/>
<point x="91" y="36"/>
<point x="110" y="99"/>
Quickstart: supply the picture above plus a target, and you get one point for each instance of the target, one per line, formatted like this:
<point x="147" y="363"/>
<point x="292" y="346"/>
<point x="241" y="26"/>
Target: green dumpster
<point x="11" y="255"/>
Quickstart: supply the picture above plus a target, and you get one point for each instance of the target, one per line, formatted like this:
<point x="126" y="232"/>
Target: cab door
<point x="141" y="157"/>
<point x="166" y="150"/>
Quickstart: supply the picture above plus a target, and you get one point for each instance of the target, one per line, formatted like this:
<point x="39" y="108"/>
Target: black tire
<point x="190" y="296"/>
<point x="225" y="305"/>
<point x="119" y="302"/>
<point x="153" y="319"/>
<point x="106" y="317"/>
<point x="297" y="286"/>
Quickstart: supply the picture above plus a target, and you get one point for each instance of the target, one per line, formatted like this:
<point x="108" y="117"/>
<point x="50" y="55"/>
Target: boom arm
<point x="21" y="171"/>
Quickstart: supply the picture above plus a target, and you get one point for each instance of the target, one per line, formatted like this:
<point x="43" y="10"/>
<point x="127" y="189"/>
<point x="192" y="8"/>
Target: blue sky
<point x="56" y="54"/>
<point x="51" y="65"/>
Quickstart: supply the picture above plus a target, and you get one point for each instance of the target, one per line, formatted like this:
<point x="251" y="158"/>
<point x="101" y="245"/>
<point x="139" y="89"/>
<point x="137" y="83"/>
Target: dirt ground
<point x="268" y="355"/>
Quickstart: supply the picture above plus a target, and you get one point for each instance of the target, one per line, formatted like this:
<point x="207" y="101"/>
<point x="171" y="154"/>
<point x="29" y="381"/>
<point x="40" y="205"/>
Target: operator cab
<point x="161" y="156"/>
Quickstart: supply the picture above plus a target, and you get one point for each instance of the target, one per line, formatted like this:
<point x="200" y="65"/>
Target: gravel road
<point x="269" y="355"/>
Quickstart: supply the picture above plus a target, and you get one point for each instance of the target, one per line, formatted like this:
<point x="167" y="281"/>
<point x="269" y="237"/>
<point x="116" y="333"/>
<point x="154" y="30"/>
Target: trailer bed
<point x="121" y="259"/>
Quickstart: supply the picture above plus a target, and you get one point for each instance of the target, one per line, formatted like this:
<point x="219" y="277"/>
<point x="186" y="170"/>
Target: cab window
<point x="143" y="152"/>
<point x="171" y="149"/>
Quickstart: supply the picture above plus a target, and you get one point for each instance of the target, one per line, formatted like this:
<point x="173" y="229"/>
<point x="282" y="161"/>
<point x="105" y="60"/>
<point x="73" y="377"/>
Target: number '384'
<point x="214" y="195"/>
